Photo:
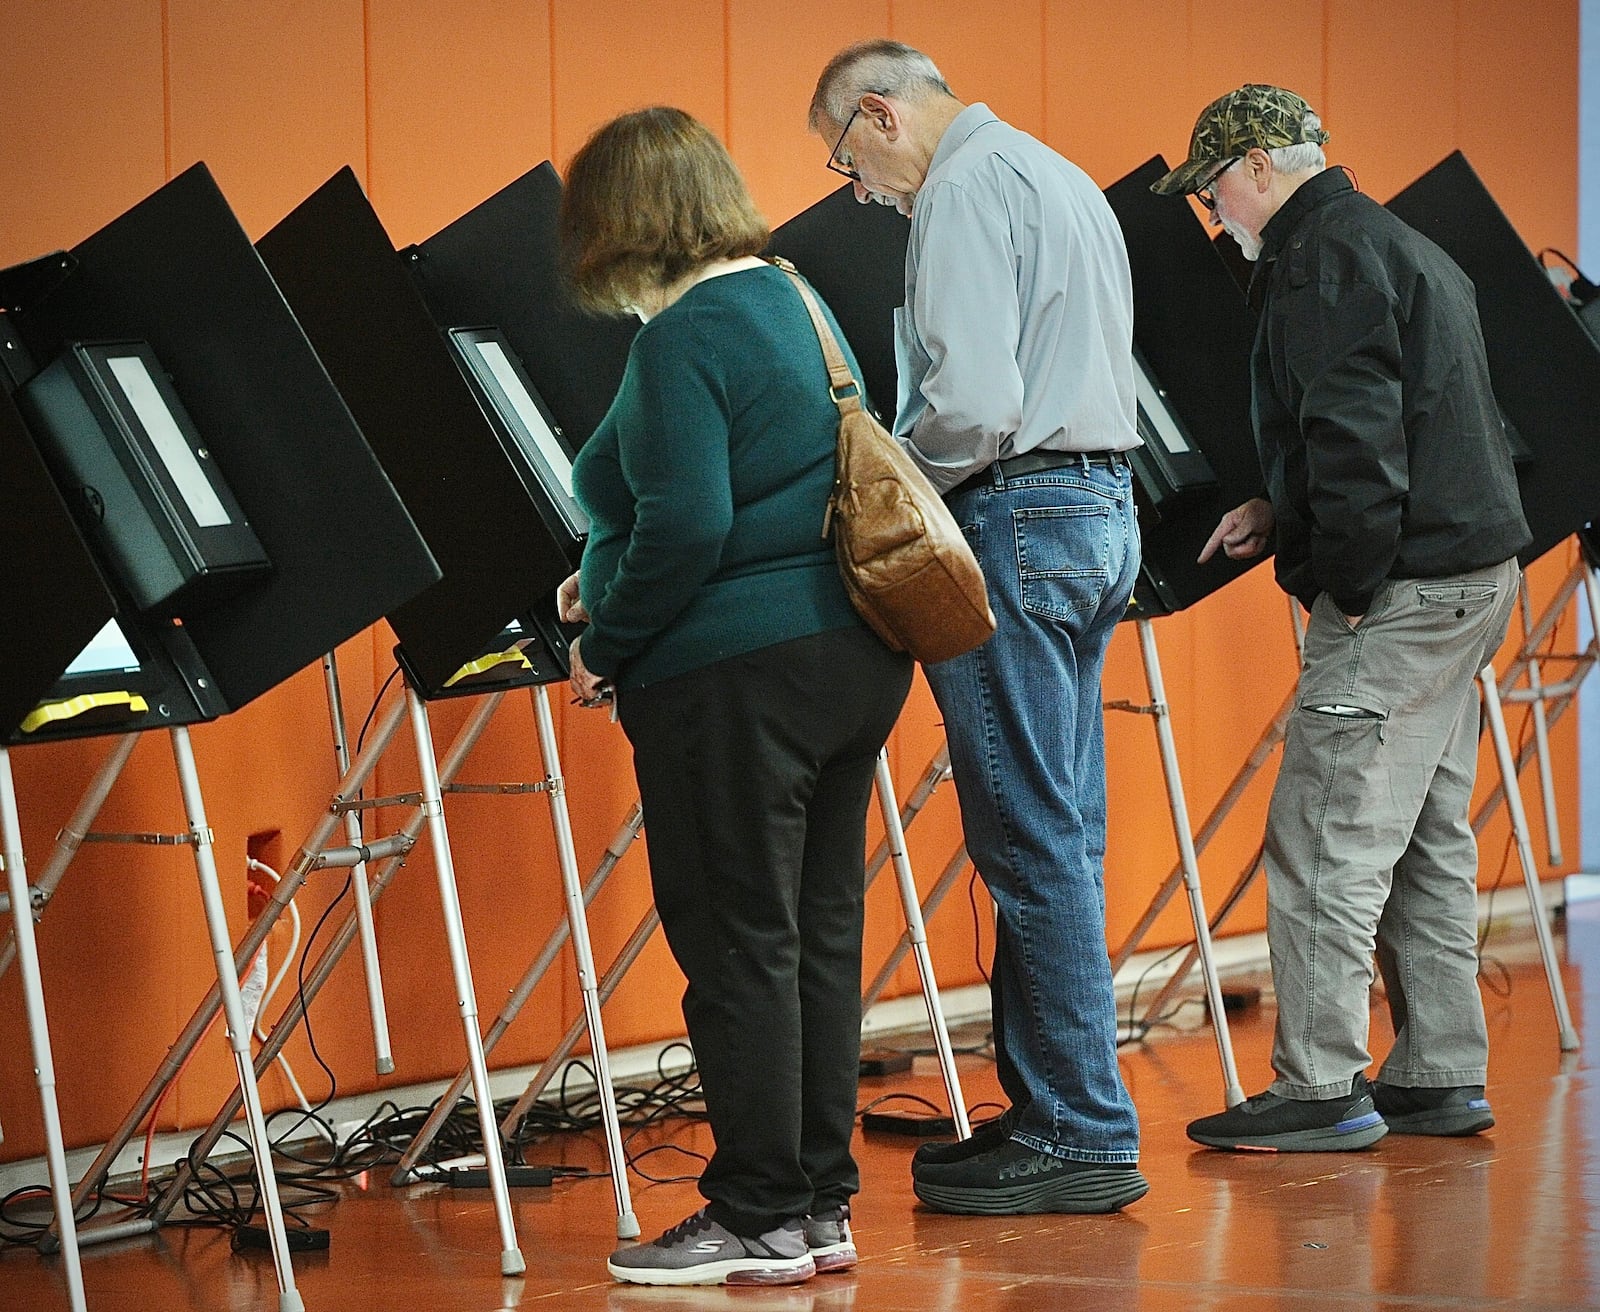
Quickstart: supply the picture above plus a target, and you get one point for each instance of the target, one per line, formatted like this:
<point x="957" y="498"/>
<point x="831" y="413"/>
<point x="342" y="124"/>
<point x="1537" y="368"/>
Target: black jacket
<point x="1383" y="449"/>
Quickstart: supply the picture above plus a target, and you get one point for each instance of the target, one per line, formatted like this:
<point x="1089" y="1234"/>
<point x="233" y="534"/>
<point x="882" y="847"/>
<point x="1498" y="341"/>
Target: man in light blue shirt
<point x="1015" y="356"/>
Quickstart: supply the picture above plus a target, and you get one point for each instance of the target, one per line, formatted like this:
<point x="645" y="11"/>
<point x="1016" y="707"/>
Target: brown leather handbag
<point x="906" y="566"/>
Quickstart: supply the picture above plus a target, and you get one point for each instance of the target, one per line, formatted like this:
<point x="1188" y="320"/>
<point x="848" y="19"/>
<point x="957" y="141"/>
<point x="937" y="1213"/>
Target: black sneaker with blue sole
<point x="1447" y="1112"/>
<point x="1271" y="1123"/>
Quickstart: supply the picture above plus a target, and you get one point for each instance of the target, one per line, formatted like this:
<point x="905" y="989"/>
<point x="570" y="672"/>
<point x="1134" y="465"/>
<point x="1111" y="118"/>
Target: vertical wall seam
<point x="366" y="92"/>
<point x="1326" y="93"/>
<point x="550" y="28"/>
<point x="1455" y="79"/>
<point x="166" y="90"/>
<point x="1044" y="70"/>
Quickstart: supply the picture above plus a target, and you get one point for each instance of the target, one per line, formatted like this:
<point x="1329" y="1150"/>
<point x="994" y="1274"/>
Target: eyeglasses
<point x="833" y="157"/>
<point x="1207" y="195"/>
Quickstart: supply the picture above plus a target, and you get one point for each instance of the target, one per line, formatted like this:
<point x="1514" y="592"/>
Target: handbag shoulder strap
<point x="842" y="385"/>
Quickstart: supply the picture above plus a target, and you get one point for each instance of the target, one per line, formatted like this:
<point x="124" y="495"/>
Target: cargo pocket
<point x="1332" y="713"/>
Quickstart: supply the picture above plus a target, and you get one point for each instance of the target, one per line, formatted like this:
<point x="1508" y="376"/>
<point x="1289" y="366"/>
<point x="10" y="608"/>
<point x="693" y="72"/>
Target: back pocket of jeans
<point x="1061" y="558"/>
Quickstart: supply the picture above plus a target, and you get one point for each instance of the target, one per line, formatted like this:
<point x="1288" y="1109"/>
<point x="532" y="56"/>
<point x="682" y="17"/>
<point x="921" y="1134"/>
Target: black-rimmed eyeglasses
<point x="1207" y="194"/>
<point x="833" y="158"/>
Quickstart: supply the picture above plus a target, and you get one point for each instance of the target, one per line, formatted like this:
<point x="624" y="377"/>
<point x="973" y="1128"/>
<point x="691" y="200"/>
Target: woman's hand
<point x="590" y="689"/>
<point x="569" y="607"/>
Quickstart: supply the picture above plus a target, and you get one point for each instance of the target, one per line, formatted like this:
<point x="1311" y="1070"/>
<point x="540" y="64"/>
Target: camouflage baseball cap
<point x="1254" y="115"/>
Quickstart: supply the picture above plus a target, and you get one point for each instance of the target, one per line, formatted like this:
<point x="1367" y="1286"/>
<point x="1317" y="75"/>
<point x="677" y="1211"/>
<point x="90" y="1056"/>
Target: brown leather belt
<point x="1034" y="462"/>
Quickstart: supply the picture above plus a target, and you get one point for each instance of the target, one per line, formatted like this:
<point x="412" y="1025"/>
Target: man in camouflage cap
<point x="1392" y="507"/>
<point x="1254" y="115"/>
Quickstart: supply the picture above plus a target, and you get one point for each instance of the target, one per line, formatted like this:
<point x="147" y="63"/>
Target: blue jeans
<point x="1022" y="714"/>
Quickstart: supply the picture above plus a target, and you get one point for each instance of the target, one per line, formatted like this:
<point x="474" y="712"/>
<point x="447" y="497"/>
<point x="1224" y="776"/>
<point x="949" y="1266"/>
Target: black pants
<point x="755" y="774"/>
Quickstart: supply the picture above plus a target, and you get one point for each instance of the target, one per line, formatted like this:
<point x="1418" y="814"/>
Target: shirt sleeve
<point x="1346" y="364"/>
<point x="673" y="421"/>
<point x="967" y="317"/>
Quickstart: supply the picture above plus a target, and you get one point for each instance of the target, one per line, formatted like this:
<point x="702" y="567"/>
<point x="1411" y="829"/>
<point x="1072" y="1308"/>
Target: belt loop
<point x="997" y="475"/>
<point x="1083" y="462"/>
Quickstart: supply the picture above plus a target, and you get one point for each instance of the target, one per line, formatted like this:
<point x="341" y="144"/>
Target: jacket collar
<point x="1311" y="193"/>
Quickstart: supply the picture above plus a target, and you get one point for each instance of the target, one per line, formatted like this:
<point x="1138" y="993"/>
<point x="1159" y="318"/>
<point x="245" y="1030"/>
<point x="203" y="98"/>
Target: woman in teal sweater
<point x="755" y="699"/>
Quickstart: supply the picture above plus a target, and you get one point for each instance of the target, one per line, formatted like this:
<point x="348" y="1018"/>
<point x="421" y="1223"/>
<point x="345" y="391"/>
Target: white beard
<point x="1250" y="246"/>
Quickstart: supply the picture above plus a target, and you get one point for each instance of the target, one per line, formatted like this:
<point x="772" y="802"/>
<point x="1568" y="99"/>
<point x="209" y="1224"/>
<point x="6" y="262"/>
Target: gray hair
<point x="889" y="68"/>
<point x="1304" y="156"/>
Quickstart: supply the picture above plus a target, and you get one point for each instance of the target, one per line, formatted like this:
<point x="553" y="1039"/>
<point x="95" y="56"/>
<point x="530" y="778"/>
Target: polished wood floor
<point x="1505" y="1219"/>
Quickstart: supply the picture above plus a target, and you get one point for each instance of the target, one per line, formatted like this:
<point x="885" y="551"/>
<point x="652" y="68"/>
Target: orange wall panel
<point x="1114" y="79"/>
<point x="271" y="95"/>
<point x="775" y="55"/>
<point x="1392" y="104"/>
<point x="626" y="55"/>
<point x="82" y="103"/>
<point x="458" y="109"/>
<point x="993" y="52"/>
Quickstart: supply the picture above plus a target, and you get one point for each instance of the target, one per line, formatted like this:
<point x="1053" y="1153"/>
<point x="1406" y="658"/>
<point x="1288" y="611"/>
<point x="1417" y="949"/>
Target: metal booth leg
<point x="383" y="1057"/>
<point x="578" y="923"/>
<point x="1541" y="727"/>
<point x="1232" y="1092"/>
<point x="289" y="1299"/>
<point x="511" y="1260"/>
<point x="1490" y="684"/>
<point x="917" y="938"/>
<point x="38" y="1029"/>
<point x="313" y="855"/>
<point x="191" y="1036"/>
<point x="404" y="1171"/>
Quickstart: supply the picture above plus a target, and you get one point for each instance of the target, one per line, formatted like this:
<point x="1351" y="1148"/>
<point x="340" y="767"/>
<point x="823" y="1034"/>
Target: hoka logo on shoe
<point x="1040" y="1164"/>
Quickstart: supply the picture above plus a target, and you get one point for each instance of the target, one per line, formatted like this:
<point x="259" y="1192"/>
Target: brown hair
<point x="651" y="196"/>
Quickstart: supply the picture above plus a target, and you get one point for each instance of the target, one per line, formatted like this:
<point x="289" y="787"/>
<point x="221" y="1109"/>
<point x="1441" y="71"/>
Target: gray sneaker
<point x="828" y="1236"/>
<point x="699" y="1251"/>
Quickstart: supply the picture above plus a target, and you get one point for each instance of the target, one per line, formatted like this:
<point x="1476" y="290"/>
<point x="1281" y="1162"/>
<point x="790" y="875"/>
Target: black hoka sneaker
<point x="1014" y="1180"/>
<point x="699" y="1251"/>
<point x="1460" y="1110"/>
<point x="1275" y="1124"/>
<point x="989" y="1135"/>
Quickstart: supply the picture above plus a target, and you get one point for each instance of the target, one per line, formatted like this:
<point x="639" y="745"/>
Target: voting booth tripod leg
<point x="27" y="954"/>
<point x="1541" y="728"/>
<point x="383" y="1057"/>
<point x="1559" y="696"/>
<point x="289" y="1299"/>
<point x="1549" y="700"/>
<point x="917" y="936"/>
<point x="626" y="956"/>
<point x="1260" y="754"/>
<point x="1179" y="809"/>
<point x="314" y="855"/>
<point x="1490" y="684"/>
<point x="937" y="771"/>
<point x="511" y="1260"/>
<point x="405" y="1168"/>
<point x="954" y="868"/>
<point x="173" y="1062"/>
<point x="578" y="924"/>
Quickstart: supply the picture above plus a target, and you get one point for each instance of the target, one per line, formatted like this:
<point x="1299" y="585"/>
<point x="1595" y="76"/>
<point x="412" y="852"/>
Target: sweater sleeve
<point x="673" y="420"/>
